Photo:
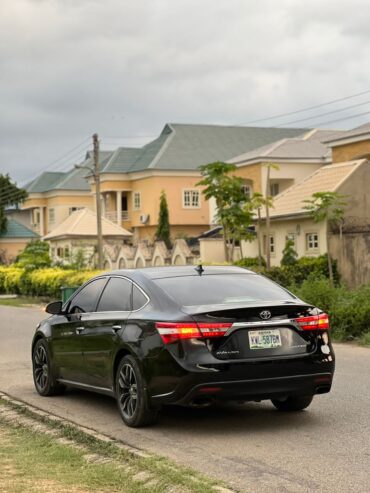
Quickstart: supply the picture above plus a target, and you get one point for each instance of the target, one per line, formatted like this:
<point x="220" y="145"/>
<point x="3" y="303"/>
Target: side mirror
<point x="55" y="307"/>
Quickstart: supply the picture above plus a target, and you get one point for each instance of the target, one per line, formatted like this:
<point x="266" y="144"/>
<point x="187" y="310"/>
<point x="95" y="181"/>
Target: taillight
<point x="315" y="322"/>
<point x="173" y="331"/>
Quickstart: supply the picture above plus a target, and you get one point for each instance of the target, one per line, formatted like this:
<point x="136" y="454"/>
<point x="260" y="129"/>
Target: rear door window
<point x="116" y="296"/>
<point x="138" y="298"/>
<point x="85" y="300"/>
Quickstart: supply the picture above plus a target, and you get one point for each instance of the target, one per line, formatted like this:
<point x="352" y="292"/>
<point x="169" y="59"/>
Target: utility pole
<point x="98" y="202"/>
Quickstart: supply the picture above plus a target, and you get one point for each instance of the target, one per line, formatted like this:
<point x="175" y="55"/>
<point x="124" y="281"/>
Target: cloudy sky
<point x="122" y="68"/>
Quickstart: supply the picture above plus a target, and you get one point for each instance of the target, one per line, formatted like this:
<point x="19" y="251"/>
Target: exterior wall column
<point x="119" y="207"/>
<point x="42" y="226"/>
<point x="103" y="205"/>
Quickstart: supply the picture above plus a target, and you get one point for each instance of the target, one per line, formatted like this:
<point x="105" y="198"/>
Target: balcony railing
<point x="112" y="216"/>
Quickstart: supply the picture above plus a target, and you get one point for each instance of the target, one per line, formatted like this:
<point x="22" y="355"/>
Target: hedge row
<point x="40" y="282"/>
<point x="296" y="274"/>
<point x="349" y="310"/>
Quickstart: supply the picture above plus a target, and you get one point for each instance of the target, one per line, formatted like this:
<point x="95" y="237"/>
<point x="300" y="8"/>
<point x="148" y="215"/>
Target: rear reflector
<point x="315" y="322"/>
<point x="173" y="331"/>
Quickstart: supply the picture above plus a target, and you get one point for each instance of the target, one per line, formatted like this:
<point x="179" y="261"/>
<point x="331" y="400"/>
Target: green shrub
<point x="294" y="274"/>
<point x="40" y="282"/>
<point x="365" y="339"/>
<point x="349" y="311"/>
<point x="250" y="262"/>
<point x="35" y="255"/>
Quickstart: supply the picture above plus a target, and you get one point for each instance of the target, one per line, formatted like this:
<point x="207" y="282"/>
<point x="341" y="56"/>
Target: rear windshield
<point x="221" y="289"/>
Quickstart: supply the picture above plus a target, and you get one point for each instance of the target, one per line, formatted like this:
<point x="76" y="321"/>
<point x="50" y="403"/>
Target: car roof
<point x="179" y="271"/>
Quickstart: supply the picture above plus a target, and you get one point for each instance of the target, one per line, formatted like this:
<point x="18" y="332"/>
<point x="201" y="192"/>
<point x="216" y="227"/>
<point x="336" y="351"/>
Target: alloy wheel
<point x="41" y="367"/>
<point x="128" y="396"/>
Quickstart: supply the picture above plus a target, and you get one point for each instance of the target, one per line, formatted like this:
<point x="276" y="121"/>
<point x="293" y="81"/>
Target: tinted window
<point x="138" y="298"/>
<point x="116" y="296"/>
<point x="225" y="288"/>
<point x="87" y="298"/>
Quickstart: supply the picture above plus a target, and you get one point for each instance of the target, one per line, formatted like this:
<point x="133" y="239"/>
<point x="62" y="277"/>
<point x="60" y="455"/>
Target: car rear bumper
<point x="226" y="385"/>
<point x="265" y="388"/>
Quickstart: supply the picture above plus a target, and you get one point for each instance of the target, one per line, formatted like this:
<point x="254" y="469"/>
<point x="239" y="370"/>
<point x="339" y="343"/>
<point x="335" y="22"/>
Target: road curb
<point x="40" y="415"/>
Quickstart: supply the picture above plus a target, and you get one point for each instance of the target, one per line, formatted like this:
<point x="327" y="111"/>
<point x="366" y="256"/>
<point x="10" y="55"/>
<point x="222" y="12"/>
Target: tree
<point x="238" y="218"/>
<point x="35" y="255"/>
<point x="226" y="189"/>
<point x="328" y="207"/>
<point x="258" y="201"/>
<point x="268" y="204"/>
<point x="289" y="254"/>
<point x="10" y="194"/>
<point x="163" y="228"/>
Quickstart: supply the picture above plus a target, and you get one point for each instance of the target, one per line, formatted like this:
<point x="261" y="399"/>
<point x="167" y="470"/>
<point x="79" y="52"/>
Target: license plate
<point x="264" y="339"/>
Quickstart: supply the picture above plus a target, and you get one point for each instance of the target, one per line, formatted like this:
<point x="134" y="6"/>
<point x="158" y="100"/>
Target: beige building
<point x="132" y="180"/>
<point x="14" y="240"/>
<point x="348" y="244"/>
<point x="79" y="231"/>
<point x="53" y="196"/>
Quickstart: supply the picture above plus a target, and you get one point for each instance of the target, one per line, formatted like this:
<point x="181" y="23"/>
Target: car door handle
<point x="79" y="330"/>
<point x="116" y="328"/>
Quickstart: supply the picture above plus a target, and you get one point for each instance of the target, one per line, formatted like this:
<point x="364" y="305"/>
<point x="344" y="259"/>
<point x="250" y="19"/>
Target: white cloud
<point x="71" y="67"/>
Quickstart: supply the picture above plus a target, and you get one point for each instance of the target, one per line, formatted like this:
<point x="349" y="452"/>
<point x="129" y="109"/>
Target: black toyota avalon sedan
<point x="184" y="335"/>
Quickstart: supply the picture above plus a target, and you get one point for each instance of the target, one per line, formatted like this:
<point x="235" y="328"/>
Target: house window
<point x="274" y="189"/>
<point x="137" y="201"/>
<point x="37" y="216"/>
<point x="51" y="215"/>
<point x="312" y="241"/>
<point x="191" y="199"/>
<point x="74" y="209"/>
<point x="247" y="191"/>
<point x="292" y="237"/>
<point x="60" y="252"/>
<point x="271" y="244"/>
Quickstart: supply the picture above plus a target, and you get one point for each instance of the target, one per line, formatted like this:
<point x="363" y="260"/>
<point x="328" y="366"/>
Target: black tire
<point x="293" y="403"/>
<point x="43" y="377"/>
<point x="131" y="395"/>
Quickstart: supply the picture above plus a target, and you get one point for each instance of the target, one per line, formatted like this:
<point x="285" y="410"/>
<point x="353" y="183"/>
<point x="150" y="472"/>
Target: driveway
<point x="250" y="446"/>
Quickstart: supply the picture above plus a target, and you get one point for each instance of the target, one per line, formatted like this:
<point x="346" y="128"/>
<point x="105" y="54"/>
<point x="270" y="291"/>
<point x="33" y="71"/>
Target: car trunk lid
<point x="259" y="330"/>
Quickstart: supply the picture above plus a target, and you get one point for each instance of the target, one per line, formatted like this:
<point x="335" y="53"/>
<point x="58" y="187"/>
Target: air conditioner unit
<point x="144" y="218"/>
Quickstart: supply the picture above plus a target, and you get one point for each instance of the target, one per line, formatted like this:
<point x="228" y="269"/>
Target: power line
<point x="55" y="163"/>
<point x="324" y="114"/>
<point x="306" y="109"/>
<point x="350" y="117"/>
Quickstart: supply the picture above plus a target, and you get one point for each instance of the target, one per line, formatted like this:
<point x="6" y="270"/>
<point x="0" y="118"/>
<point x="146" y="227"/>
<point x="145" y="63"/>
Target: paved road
<point x="252" y="447"/>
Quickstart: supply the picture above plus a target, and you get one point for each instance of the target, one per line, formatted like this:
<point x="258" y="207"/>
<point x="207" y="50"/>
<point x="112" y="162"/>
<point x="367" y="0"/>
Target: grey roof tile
<point x="14" y="229"/>
<point x="356" y="132"/>
<point x="187" y="146"/>
<point x="44" y="182"/>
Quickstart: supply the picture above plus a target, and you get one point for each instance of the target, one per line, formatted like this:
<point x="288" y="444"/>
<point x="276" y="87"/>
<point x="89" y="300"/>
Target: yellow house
<point x="296" y="157"/>
<point x="353" y="144"/>
<point x="14" y="240"/>
<point x="53" y="196"/>
<point x="132" y="179"/>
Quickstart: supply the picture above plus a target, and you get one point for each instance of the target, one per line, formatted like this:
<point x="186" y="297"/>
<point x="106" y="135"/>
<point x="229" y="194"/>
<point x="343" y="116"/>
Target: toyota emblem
<point x="265" y="315"/>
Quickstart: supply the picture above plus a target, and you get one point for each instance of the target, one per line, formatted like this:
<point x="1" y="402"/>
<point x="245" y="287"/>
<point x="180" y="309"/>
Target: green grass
<point x="23" y="301"/>
<point x="365" y="339"/>
<point x="34" y="462"/>
<point x="36" y="458"/>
